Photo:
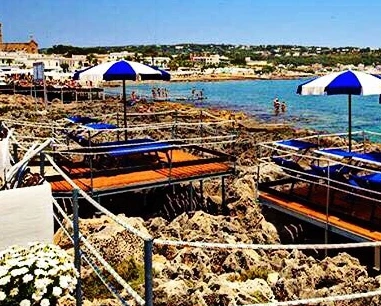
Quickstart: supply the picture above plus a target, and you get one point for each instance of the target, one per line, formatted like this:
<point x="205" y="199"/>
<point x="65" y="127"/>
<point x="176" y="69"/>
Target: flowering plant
<point x="35" y="275"/>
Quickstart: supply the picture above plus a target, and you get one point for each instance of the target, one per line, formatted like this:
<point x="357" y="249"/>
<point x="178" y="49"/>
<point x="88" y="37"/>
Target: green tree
<point x="90" y="58"/>
<point x="173" y="65"/>
<point x="65" y="67"/>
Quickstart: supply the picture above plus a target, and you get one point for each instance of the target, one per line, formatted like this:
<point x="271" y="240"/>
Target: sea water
<point x="255" y="97"/>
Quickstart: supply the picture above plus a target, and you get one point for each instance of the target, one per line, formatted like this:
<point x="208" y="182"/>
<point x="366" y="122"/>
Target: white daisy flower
<point x="36" y="296"/>
<point x="3" y="271"/>
<point x="57" y="291"/>
<point x="2" y="296"/>
<point x="39" y="272"/>
<point x="14" y="292"/>
<point x="27" y="278"/>
<point x="44" y="302"/>
<point x="5" y="280"/>
<point x="25" y="303"/>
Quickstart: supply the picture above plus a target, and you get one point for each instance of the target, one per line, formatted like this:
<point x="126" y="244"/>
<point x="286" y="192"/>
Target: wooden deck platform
<point x="184" y="167"/>
<point x="348" y="215"/>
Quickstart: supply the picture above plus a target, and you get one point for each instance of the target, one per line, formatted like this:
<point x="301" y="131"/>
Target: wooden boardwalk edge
<point x="295" y="207"/>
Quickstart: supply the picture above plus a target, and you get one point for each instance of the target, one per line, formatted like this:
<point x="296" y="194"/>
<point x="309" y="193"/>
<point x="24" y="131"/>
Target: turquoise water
<point x="325" y="113"/>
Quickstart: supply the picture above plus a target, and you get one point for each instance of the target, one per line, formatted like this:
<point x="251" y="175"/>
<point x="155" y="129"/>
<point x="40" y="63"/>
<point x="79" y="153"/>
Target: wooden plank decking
<point x="103" y="182"/>
<point x="362" y="213"/>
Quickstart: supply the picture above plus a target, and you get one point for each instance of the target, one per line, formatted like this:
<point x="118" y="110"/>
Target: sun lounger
<point x="141" y="148"/>
<point x="128" y="147"/>
<point x="369" y="181"/>
<point x="100" y="126"/>
<point x="293" y="168"/>
<point x="296" y="172"/>
<point x="124" y="149"/>
<point x="335" y="172"/>
<point x="81" y="120"/>
<point x="370" y="158"/>
<point x="295" y="144"/>
<point x="336" y="153"/>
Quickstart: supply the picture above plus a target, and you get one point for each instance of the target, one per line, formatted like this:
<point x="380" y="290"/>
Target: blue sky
<point x="252" y="22"/>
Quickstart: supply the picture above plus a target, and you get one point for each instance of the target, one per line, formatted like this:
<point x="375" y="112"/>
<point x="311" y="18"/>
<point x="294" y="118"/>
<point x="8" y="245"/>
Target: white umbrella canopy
<point x="121" y="70"/>
<point x="343" y="83"/>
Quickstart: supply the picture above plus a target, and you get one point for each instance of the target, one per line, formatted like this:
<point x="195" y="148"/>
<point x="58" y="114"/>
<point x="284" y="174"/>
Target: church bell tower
<point x="1" y="34"/>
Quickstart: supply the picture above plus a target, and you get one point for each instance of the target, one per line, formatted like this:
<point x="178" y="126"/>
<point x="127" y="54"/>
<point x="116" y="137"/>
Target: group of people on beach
<point x="197" y="94"/>
<point x="26" y="80"/>
<point x="159" y="93"/>
<point x="279" y="106"/>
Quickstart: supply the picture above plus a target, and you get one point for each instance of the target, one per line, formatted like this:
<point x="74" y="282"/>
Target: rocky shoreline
<point x="201" y="276"/>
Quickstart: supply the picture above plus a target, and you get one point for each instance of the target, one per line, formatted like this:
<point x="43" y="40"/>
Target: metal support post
<point x="62" y="96"/>
<point x="15" y="152"/>
<point x="327" y="210"/>
<point x="350" y="123"/>
<point x="42" y="163"/>
<point x="202" y="192"/>
<point x="191" y="197"/>
<point x="223" y="193"/>
<point x="377" y="258"/>
<point x="91" y="166"/>
<point x="148" y="292"/>
<point x="256" y="183"/>
<point x="77" y="251"/>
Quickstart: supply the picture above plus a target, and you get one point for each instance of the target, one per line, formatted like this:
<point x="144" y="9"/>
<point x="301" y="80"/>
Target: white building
<point x="114" y="56"/>
<point x="160" y="61"/>
<point x="213" y="59"/>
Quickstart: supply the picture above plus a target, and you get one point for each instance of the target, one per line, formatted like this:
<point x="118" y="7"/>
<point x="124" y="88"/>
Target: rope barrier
<point x="96" y="254"/>
<point x="112" y="272"/>
<point x="177" y="146"/>
<point x="110" y="288"/>
<point x="147" y="126"/>
<point x="96" y="205"/>
<point x="244" y="246"/>
<point x="335" y="298"/>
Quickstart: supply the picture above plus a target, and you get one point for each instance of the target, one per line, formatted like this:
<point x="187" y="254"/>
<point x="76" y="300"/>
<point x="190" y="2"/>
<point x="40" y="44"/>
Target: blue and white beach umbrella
<point x="121" y="70"/>
<point x="343" y="83"/>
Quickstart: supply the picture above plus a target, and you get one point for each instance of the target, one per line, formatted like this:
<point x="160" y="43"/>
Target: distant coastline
<point x="219" y="78"/>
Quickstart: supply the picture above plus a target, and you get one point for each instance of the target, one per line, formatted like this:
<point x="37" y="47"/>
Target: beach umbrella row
<point x="346" y="82"/>
<point x="122" y="70"/>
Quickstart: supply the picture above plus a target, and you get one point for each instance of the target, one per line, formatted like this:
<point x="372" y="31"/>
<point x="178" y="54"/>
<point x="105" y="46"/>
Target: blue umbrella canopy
<point x="165" y="75"/>
<point x="343" y="83"/>
<point x="121" y="70"/>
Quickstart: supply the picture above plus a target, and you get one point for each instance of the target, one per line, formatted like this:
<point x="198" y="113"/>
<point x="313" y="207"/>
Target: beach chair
<point x="131" y="147"/>
<point x="370" y="183"/>
<point x="371" y="158"/>
<point x="296" y="145"/>
<point x="336" y="172"/>
<point x="81" y="119"/>
<point x="296" y="172"/>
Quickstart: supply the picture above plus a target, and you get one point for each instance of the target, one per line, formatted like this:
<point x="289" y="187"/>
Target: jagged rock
<point x="203" y="276"/>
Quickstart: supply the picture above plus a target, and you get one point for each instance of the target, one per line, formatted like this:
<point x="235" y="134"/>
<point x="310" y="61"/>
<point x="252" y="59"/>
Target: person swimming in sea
<point x="276" y="106"/>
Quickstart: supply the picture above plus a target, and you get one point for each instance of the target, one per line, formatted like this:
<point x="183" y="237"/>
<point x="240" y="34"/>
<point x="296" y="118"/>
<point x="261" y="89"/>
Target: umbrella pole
<point x="350" y="122"/>
<point x="124" y="109"/>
